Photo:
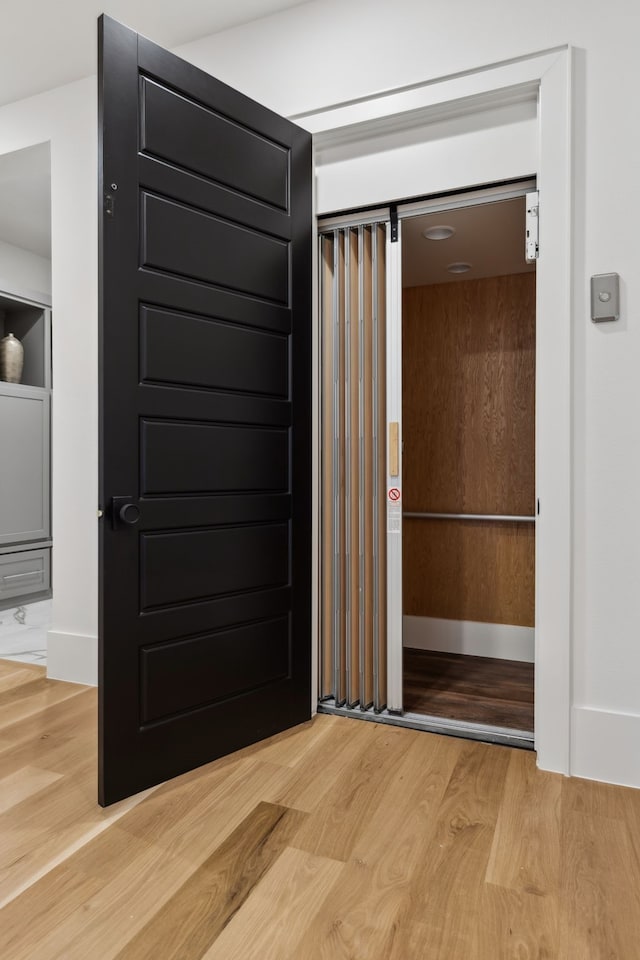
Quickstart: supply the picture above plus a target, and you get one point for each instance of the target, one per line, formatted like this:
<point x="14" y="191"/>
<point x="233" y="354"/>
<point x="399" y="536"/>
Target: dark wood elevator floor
<point x="476" y="689"/>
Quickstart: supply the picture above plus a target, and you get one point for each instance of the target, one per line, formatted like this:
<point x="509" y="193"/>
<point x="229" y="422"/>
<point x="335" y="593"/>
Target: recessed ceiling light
<point x="439" y="232"/>
<point x="459" y="267"/>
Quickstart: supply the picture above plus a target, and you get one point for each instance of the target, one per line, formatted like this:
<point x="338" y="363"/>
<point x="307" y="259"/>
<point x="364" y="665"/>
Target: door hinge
<point x="393" y="213"/>
<point x="532" y="231"/>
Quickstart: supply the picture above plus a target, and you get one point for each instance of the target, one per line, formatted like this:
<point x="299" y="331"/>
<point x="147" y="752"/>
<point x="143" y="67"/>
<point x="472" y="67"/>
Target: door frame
<point x="547" y="75"/>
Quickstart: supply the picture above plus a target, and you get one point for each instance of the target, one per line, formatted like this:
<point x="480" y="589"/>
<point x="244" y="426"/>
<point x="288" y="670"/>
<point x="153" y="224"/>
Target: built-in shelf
<point x="31" y="324"/>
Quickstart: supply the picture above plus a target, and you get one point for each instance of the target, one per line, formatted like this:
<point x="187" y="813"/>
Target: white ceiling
<point x="25" y="199"/>
<point x="45" y="44"/>
<point x="489" y="236"/>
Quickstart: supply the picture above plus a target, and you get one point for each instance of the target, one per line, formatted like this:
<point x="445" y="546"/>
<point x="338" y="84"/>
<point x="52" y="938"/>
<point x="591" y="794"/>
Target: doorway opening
<point x="458" y="324"/>
<point x="25" y="404"/>
<point x="468" y="466"/>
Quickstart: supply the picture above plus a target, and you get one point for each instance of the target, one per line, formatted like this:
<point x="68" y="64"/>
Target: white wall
<point x="67" y="117"/>
<point x="335" y="50"/>
<point x="22" y="271"/>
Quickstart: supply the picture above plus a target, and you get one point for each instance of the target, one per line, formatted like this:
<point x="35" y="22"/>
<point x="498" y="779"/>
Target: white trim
<point x="605" y="746"/>
<point x="72" y="657"/>
<point x="394" y="510"/>
<point x="503" y="641"/>
<point x="388" y="105"/>
<point x="551" y="72"/>
<point x="316" y="462"/>
<point x="492" y="105"/>
<point x="554" y="422"/>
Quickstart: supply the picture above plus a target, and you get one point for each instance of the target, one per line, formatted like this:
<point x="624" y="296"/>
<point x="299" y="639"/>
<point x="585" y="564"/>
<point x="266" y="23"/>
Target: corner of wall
<point x="72" y="658"/>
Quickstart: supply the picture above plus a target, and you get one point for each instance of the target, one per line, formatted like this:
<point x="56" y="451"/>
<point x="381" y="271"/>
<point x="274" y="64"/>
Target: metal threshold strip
<point x="449" y="728"/>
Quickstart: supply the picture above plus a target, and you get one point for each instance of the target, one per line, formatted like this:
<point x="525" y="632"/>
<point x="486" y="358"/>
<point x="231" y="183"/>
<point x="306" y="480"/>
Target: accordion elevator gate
<point x="353" y="657"/>
<point x="362" y="622"/>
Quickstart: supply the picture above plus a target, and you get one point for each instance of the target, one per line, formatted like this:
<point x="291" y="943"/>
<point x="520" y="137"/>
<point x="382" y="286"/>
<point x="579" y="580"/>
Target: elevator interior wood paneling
<point x="469" y="442"/>
<point x="468" y="449"/>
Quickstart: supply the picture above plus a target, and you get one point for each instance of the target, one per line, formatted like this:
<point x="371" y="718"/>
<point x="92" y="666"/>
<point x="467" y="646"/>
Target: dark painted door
<point x="205" y="299"/>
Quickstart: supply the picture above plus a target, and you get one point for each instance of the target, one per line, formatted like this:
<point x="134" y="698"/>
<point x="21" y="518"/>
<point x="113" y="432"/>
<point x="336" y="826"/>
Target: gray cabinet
<point x="24" y="452"/>
<point x="25" y="574"/>
<point x="25" y="457"/>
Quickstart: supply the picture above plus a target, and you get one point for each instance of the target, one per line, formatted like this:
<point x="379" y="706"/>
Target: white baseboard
<point x="605" y="746"/>
<point x="500" y="640"/>
<point x="72" y="657"/>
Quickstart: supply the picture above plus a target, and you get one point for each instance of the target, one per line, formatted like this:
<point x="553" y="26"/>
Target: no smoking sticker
<point x="394" y="511"/>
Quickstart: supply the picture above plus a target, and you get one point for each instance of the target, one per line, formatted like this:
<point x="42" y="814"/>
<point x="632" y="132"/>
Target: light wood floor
<point x="342" y="840"/>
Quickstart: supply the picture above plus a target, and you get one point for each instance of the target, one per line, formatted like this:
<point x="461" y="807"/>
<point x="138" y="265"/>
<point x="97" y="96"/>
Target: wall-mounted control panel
<point x="605" y="297"/>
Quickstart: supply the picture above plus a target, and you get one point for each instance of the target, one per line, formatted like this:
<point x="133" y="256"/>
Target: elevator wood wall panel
<point x="469" y="396"/>
<point x="469" y="570"/>
<point x="469" y="447"/>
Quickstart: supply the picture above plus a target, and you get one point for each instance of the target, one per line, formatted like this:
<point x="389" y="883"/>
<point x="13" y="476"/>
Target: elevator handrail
<point x="508" y="518"/>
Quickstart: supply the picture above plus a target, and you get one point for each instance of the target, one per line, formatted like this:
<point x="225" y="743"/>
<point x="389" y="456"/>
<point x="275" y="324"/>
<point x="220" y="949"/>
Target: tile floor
<point x="23" y="632"/>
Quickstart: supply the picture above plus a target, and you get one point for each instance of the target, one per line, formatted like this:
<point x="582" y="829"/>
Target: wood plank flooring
<point x="475" y="689"/>
<point x="339" y="840"/>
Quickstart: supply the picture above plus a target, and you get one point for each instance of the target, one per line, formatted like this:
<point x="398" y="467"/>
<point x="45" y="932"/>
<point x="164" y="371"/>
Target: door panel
<point x="187" y="457"/>
<point x="187" y="674"/>
<point x="205" y="625"/>
<point x="179" y="239"/>
<point x="197" y="351"/>
<point x="250" y="163"/>
<point x="198" y="565"/>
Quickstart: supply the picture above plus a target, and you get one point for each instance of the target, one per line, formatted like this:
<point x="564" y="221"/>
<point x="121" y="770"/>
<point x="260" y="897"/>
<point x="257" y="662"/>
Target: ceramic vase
<point x="11" y="359"/>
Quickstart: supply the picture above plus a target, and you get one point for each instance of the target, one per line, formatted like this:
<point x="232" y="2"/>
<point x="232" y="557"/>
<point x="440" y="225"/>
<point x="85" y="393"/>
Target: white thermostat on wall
<point x="605" y="297"/>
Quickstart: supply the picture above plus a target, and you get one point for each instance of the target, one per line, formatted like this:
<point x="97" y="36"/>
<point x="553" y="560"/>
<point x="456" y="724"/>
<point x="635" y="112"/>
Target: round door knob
<point x="129" y="513"/>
